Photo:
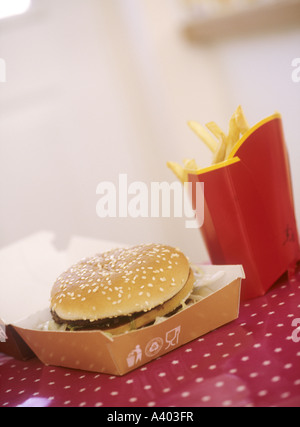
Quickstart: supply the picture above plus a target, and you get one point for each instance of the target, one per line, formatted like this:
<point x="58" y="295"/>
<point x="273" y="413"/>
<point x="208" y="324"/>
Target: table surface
<point x="253" y="361"/>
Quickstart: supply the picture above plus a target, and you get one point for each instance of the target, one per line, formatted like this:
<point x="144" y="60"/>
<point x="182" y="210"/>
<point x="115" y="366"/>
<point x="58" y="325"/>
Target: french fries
<point x="182" y="172"/>
<point x="215" y="130"/>
<point x="241" y="121"/>
<point x="220" y="144"/>
<point x="178" y="171"/>
<point x="190" y="164"/>
<point x="204" y="135"/>
<point x="233" y="136"/>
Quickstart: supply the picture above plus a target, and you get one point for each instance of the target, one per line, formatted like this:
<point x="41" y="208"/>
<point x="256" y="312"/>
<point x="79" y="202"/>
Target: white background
<point x="96" y="88"/>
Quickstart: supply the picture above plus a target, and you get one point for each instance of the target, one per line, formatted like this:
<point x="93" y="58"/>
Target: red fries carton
<point x="249" y="215"/>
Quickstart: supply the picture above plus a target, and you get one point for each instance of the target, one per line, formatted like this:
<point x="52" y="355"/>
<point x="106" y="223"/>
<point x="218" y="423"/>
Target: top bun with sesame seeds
<point x="123" y="289"/>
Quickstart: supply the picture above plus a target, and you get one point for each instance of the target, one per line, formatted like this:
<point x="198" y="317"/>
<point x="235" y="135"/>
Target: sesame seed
<point x="175" y="256"/>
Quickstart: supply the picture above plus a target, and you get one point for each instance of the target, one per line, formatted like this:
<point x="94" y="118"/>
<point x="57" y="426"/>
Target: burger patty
<point x="102" y="324"/>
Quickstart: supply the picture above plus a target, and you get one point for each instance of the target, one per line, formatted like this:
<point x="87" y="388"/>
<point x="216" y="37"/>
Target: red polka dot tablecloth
<point x="251" y="362"/>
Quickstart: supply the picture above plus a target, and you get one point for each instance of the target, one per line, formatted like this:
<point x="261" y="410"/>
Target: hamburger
<point x="123" y="289"/>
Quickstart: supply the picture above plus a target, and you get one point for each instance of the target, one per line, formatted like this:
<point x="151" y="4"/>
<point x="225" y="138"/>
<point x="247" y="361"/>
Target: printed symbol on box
<point x="134" y="357"/>
<point x="289" y="235"/>
<point x="172" y="337"/>
<point x="154" y="346"/>
<point x="3" y="336"/>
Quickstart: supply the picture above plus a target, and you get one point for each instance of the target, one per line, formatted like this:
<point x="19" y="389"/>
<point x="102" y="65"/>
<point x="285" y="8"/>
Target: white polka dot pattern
<point x="254" y="361"/>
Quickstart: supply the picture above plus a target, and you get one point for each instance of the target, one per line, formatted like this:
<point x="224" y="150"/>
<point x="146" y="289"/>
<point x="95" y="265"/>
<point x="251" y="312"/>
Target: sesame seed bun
<point x="117" y="290"/>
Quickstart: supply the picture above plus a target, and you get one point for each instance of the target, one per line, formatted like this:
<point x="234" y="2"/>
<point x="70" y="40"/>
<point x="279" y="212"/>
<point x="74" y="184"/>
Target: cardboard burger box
<point x="96" y="351"/>
<point x="99" y="352"/>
